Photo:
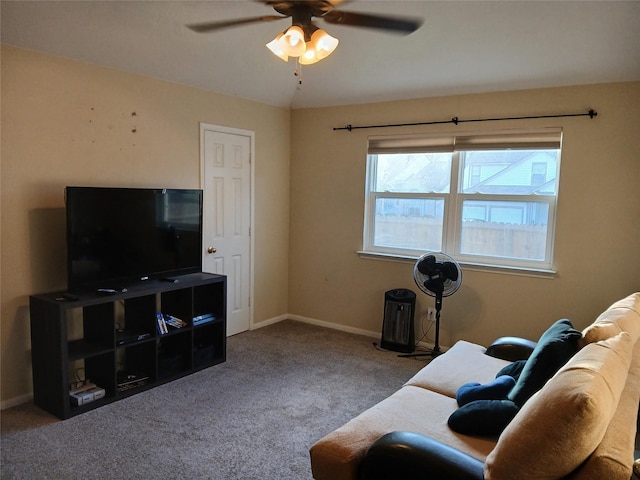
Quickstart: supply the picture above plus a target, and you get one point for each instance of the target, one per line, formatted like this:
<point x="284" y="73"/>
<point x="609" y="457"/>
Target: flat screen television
<point x="117" y="237"/>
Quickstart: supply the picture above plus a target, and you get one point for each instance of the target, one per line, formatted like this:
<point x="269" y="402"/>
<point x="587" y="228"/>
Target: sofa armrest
<point x="412" y="455"/>
<point x="511" y="348"/>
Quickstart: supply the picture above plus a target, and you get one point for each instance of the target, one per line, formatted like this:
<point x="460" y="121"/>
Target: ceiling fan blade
<point x="212" y="26"/>
<point x="392" y="24"/>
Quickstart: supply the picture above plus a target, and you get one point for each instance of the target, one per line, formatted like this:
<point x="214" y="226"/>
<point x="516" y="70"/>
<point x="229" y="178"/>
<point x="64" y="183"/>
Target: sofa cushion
<point x="622" y="316"/>
<point x="463" y="363"/>
<point x="598" y="331"/>
<point x="483" y="417"/>
<point x="555" y="347"/>
<point x="614" y="456"/>
<point x="562" y="424"/>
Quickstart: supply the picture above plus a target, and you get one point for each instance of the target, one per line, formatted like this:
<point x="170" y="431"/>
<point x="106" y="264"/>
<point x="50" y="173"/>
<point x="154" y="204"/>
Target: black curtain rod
<point x="455" y="120"/>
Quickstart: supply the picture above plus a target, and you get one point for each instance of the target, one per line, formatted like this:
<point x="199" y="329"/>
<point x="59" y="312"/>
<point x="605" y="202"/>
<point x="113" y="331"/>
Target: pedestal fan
<point x="438" y="275"/>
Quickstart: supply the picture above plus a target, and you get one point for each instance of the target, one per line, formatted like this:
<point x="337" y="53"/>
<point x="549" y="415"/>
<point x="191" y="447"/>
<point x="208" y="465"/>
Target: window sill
<point x="520" y="271"/>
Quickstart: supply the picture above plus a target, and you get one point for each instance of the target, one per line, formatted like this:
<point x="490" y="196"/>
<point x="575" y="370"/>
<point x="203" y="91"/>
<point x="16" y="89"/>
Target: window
<point x="484" y="199"/>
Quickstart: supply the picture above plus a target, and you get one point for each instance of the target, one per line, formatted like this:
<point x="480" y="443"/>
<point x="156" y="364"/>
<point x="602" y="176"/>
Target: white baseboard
<point x="313" y="321"/>
<point x="269" y="321"/>
<point x="12" y="402"/>
<point x="335" y="326"/>
<point x="357" y="331"/>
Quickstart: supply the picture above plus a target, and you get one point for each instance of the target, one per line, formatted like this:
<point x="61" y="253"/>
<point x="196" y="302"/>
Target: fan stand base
<point x="433" y="354"/>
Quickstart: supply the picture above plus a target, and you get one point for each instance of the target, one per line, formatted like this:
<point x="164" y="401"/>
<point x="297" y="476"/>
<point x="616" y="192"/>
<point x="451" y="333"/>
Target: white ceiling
<point x="462" y="47"/>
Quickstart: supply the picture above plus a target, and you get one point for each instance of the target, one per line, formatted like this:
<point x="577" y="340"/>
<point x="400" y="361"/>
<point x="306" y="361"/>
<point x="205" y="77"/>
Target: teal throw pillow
<point x="555" y="347"/>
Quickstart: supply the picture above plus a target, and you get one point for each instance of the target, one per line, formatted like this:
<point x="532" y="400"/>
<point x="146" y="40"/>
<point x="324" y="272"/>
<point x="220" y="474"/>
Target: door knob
<point x="212" y="250"/>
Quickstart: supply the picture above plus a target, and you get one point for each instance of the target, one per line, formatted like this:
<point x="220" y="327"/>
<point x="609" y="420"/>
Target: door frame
<point x="252" y="138"/>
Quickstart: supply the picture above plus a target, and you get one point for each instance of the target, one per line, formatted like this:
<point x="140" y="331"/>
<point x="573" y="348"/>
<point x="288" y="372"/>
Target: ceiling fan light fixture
<point x="276" y="48"/>
<point x="292" y="42"/>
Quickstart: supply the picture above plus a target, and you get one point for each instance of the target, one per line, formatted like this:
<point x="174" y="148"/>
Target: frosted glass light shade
<point x="276" y="49"/>
<point x="325" y="44"/>
<point x="310" y="56"/>
<point x="320" y="46"/>
<point x="292" y="42"/>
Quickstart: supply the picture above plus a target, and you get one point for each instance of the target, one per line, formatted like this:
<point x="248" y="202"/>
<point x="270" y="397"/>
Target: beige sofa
<point x="580" y="425"/>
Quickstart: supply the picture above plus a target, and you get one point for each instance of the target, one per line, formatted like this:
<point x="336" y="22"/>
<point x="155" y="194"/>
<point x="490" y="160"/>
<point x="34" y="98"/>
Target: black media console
<point x="124" y="342"/>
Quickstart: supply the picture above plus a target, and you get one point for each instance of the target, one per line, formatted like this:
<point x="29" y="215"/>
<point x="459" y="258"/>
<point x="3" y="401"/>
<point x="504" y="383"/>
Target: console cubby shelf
<point x="114" y="340"/>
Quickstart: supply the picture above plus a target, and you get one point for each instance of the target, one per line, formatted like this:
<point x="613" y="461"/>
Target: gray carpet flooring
<point x="254" y="417"/>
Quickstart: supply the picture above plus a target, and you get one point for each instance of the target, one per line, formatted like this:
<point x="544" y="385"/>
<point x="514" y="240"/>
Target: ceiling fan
<point x="304" y="40"/>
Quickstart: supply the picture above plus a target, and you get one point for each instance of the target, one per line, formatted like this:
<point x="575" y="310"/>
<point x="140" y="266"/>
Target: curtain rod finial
<point x="592" y="113"/>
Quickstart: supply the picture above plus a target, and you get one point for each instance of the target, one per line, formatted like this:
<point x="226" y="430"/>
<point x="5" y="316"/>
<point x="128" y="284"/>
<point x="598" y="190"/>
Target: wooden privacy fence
<point x="477" y="238"/>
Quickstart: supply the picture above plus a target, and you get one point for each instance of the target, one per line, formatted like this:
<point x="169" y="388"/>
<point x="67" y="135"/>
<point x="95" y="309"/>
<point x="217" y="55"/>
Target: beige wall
<point x="66" y="122"/>
<point x="597" y="250"/>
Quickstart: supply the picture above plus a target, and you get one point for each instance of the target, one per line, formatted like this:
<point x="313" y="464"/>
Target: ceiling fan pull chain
<point x="298" y="71"/>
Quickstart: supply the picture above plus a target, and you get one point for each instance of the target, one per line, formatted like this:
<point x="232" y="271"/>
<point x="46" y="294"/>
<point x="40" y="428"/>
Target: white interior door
<point x="226" y="182"/>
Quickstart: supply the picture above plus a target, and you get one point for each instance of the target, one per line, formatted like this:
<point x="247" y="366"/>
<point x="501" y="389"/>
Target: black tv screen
<point x="120" y="236"/>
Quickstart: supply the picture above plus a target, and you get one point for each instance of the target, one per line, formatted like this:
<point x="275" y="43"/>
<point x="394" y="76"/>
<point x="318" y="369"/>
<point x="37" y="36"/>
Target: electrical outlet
<point x="431" y="314"/>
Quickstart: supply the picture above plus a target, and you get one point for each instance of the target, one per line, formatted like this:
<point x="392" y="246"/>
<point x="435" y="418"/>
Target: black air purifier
<point x="397" y="327"/>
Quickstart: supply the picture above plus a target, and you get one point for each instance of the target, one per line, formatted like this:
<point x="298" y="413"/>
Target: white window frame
<point x="454" y="200"/>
